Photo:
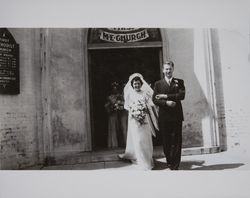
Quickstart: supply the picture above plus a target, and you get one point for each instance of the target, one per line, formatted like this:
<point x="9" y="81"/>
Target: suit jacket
<point x="176" y="93"/>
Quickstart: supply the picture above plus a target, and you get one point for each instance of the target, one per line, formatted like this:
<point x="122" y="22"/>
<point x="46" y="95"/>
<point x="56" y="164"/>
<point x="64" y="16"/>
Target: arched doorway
<point x="113" y="55"/>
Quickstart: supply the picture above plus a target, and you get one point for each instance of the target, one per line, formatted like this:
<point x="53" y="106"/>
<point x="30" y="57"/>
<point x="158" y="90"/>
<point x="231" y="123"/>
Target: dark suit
<point x="170" y="119"/>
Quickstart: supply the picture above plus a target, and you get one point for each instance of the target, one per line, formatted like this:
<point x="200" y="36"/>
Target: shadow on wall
<point x="198" y="110"/>
<point x="201" y="113"/>
<point x="195" y="105"/>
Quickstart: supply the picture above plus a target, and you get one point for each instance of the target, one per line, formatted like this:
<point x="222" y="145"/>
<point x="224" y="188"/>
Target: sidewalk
<point x="234" y="159"/>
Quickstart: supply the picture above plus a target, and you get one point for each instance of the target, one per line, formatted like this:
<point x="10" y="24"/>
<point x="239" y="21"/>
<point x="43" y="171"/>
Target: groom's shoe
<point x="168" y="165"/>
<point x="174" y="167"/>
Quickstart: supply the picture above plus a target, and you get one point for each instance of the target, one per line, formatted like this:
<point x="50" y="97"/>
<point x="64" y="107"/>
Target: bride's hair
<point x="137" y="78"/>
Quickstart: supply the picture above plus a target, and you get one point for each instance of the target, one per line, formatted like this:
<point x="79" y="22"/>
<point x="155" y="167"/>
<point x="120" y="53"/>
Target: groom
<point x="168" y="94"/>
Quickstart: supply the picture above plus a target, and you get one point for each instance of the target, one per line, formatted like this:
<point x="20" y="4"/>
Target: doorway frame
<point x="163" y="56"/>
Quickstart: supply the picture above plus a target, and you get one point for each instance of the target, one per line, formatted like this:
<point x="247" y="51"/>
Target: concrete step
<point x="94" y="156"/>
<point x="110" y="155"/>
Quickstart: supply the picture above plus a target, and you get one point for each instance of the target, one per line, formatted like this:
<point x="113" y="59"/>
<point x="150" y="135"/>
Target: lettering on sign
<point x="123" y="35"/>
<point x="9" y="63"/>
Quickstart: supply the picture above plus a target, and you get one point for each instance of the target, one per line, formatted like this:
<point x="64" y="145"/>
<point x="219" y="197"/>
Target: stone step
<point x="112" y="155"/>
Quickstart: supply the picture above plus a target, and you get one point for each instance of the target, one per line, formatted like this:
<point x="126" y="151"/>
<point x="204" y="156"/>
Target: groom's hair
<point x="137" y="78"/>
<point x="171" y="63"/>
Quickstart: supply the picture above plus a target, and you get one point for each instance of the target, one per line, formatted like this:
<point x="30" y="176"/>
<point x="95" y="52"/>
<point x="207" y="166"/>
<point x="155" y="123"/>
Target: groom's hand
<point x="161" y="96"/>
<point x="171" y="103"/>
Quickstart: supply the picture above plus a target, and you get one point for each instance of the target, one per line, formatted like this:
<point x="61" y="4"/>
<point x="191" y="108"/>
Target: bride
<point x="142" y="122"/>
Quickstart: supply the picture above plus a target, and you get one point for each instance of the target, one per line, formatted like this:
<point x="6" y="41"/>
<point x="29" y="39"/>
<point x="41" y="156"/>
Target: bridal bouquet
<point x="138" y="111"/>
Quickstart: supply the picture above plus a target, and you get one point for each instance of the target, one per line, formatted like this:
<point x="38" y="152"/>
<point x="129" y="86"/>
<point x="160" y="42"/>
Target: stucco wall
<point x="20" y="115"/>
<point x="195" y="105"/>
<point x="67" y="91"/>
<point x="52" y="107"/>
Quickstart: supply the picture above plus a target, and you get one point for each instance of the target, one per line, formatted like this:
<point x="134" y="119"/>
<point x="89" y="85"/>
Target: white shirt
<point x="168" y="80"/>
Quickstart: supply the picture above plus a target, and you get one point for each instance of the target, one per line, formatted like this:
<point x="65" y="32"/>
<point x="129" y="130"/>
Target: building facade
<point x="64" y="78"/>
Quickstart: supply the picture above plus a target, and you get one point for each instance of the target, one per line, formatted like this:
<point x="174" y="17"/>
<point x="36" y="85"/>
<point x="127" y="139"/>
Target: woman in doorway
<point x="142" y="122"/>
<point x="117" y="118"/>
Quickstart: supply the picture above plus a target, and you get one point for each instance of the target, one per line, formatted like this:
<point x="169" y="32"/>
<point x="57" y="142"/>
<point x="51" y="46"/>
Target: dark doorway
<point x="109" y="65"/>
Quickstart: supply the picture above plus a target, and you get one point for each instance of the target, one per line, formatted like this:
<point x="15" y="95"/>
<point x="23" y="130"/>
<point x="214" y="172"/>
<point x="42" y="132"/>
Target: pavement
<point x="236" y="158"/>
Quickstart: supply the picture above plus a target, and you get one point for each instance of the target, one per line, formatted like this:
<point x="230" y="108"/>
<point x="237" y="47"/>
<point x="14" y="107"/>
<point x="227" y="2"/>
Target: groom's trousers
<point x="172" y="142"/>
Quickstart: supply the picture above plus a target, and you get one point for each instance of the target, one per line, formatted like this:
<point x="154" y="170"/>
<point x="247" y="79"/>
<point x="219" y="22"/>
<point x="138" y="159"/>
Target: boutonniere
<point x="176" y="83"/>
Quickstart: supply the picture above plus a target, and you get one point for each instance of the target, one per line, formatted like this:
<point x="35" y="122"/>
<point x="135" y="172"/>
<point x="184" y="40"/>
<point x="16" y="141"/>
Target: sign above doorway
<point x="123" y="35"/>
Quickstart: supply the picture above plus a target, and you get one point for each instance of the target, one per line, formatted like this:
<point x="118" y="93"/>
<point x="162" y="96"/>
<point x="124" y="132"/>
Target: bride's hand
<point x="161" y="96"/>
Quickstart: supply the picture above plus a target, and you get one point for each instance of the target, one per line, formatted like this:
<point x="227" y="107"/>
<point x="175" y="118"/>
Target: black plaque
<point x="9" y="63"/>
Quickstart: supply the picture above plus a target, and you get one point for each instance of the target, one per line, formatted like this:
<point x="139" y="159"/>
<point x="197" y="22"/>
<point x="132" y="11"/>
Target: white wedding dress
<point x="139" y="147"/>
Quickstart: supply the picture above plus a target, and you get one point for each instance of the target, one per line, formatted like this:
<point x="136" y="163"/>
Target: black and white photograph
<point x="116" y="99"/>
<point x="120" y="98"/>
